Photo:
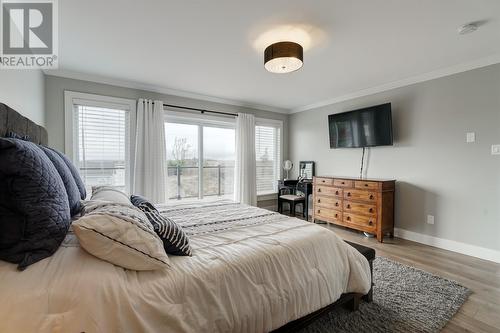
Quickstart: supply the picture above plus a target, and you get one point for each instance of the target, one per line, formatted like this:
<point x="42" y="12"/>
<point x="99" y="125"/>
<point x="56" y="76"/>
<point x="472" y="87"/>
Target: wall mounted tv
<point x="368" y="127"/>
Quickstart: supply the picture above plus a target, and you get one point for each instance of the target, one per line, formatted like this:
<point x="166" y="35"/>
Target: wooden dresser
<point x="361" y="204"/>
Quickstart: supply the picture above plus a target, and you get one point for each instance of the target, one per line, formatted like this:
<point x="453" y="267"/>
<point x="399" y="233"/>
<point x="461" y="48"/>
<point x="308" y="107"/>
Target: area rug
<point x="405" y="299"/>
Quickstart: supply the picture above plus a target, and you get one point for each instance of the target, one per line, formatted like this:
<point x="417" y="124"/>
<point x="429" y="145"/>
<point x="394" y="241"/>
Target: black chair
<point x="292" y="199"/>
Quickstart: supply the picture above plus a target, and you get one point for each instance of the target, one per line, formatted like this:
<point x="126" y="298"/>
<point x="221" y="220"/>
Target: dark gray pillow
<point x="35" y="213"/>
<point x="175" y="240"/>
<point x="67" y="178"/>
<point x="74" y="172"/>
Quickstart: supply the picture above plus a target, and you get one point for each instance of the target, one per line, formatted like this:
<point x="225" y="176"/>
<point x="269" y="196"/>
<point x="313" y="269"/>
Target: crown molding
<point x="158" y="89"/>
<point x="447" y="71"/>
<point x="443" y="72"/>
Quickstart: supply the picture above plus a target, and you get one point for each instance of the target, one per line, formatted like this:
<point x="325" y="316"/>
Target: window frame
<point x="72" y="98"/>
<point x="279" y="125"/>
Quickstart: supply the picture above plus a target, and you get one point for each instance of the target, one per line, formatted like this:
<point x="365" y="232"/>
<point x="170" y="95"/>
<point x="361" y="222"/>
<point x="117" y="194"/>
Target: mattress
<point x="252" y="270"/>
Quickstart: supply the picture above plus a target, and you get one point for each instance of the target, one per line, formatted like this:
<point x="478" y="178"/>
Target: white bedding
<point x="252" y="271"/>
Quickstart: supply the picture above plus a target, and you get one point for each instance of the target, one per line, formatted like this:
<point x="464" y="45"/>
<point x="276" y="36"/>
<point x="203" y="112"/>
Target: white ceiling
<point x="215" y="48"/>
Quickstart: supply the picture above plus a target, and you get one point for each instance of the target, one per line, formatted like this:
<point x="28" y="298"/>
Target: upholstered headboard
<point x="12" y="121"/>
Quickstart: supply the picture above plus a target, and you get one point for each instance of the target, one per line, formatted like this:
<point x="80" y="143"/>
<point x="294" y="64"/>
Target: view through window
<point x="219" y="154"/>
<point x="200" y="160"/>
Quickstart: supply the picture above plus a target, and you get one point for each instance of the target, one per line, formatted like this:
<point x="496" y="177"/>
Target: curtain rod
<point x="200" y="110"/>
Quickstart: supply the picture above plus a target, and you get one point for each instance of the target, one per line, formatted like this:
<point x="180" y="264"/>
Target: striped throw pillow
<point x="175" y="240"/>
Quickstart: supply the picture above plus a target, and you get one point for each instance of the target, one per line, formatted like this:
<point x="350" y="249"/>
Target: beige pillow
<point x="120" y="234"/>
<point x="109" y="193"/>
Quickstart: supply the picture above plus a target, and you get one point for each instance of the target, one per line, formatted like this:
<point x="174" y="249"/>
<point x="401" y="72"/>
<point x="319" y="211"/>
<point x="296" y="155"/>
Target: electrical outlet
<point x="471" y="137"/>
<point x="495" y="149"/>
<point x="430" y="219"/>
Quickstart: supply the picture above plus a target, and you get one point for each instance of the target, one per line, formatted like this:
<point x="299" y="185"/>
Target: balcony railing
<point x="187" y="181"/>
<point x="217" y="181"/>
<point x="184" y="182"/>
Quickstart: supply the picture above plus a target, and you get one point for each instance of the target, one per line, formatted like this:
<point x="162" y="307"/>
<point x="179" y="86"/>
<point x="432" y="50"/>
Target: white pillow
<point x="109" y="193"/>
<point x="120" y="234"/>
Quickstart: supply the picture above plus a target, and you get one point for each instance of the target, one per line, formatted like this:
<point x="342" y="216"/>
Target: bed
<point x="252" y="270"/>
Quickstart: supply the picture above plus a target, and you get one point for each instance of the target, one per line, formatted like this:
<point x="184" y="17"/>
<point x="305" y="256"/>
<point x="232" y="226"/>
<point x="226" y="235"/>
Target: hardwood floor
<point x="481" y="312"/>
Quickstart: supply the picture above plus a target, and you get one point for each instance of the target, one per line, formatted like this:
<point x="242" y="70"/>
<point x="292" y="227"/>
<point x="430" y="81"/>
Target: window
<point x="200" y="156"/>
<point x="268" y="156"/>
<point x="219" y="154"/>
<point x="102" y="145"/>
<point x="97" y="138"/>
<point x="182" y="160"/>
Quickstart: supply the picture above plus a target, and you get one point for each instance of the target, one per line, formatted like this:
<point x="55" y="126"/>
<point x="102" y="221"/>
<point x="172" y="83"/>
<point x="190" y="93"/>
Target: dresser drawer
<point x="328" y="214"/>
<point x="366" y="222"/>
<point x="323" y="181"/>
<point x="368" y="196"/>
<point x="330" y="202"/>
<point x="342" y="183"/>
<point x="366" y="185"/>
<point x="328" y="191"/>
<point x="360" y="208"/>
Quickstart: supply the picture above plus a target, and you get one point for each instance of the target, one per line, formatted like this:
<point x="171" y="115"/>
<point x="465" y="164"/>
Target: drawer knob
<point x="342" y="183"/>
<point x="323" y="181"/>
<point x="370" y="223"/>
<point x="349" y="194"/>
<point x="319" y="200"/>
<point x="371" y="196"/>
<point x="366" y="185"/>
<point x="336" y="192"/>
<point x="319" y="190"/>
<point x="348" y="218"/>
<point x="336" y="215"/>
<point x="348" y="206"/>
<point x="337" y="204"/>
<point x="319" y="211"/>
<point x="371" y="210"/>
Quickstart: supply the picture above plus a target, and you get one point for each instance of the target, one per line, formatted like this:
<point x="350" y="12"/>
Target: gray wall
<point x="54" y="97"/>
<point x="437" y="172"/>
<point x="23" y="90"/>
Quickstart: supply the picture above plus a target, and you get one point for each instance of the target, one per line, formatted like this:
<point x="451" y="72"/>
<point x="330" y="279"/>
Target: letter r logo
<point x="27" y="27"/>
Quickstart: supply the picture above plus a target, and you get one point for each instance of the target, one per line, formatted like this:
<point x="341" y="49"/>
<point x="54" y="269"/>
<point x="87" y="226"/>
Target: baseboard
<point x="446" y="244"/>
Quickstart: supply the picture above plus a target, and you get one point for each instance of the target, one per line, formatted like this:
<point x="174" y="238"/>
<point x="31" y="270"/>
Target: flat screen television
<point x="368" y="127"/>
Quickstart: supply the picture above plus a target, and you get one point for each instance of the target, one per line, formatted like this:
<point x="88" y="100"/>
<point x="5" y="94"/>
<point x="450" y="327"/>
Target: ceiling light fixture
<point x="467" y="28"/>
<point x="283" y="57"/>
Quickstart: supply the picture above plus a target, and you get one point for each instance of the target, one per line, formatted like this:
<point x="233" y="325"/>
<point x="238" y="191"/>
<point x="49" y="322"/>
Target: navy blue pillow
<point x="175" y="240"/>
<point x="75" y="173"/>
<point x="34" y="212"/>
<point x="67" y="178"/>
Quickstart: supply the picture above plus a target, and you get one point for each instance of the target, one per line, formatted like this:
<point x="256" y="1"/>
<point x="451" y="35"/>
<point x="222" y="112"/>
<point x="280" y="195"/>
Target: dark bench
<point x="349" y="300"/>
<point x="369" y="254"/>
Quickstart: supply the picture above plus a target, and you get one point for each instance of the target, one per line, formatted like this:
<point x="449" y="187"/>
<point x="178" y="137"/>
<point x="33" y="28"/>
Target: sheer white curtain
<point x="149" y="151"/>
<point x="245" y="188"/>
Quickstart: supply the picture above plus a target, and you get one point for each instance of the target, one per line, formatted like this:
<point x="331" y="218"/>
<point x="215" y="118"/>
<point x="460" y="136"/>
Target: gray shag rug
<point x="405" y="299"/>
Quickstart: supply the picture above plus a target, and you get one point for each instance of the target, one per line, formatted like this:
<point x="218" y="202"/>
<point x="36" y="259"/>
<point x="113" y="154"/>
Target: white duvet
<point x="255" y="272"/>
